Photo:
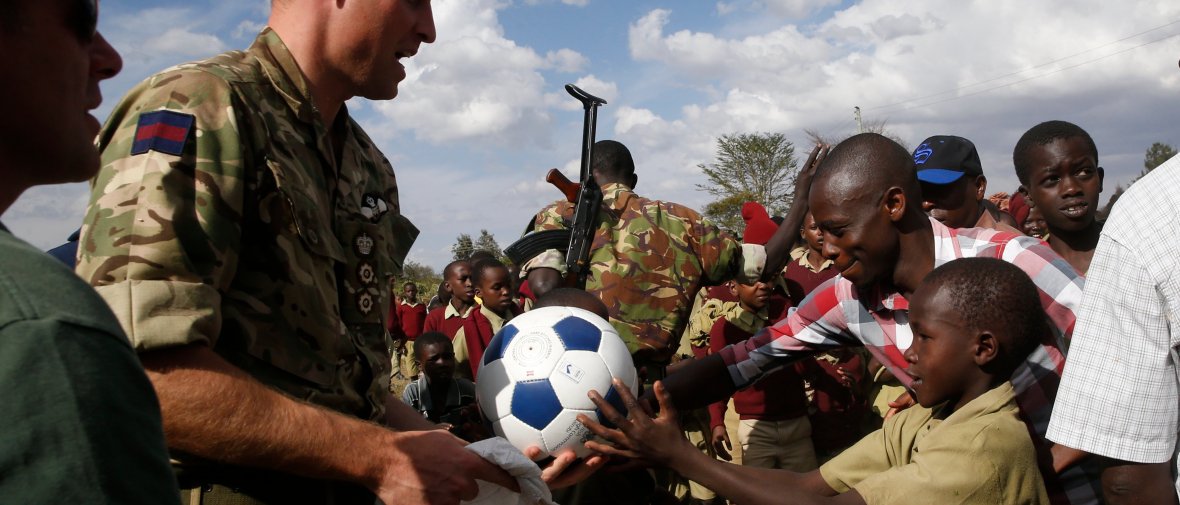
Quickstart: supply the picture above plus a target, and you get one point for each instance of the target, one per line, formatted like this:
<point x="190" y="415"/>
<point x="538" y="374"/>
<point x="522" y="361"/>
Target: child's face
<point x="1034" y="225"/>
<point x="459" y="284"/>
<point x="410" y="292"/>
<point x="941" y="353"/>
<point x="1064" y="181"/>
<point x="437" y="360"/>
<point x="495" y="289"/>
<point x="811" y="234"/>
<point x="752" y="296"/>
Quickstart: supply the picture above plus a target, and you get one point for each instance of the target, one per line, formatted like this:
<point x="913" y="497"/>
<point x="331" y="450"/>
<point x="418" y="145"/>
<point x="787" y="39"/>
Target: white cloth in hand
<point x="533" y="490"/>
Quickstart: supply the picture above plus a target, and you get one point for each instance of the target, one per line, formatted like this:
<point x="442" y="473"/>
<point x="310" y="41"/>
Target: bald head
<point x="573" y="297"/>
<point x="866" y="165"/>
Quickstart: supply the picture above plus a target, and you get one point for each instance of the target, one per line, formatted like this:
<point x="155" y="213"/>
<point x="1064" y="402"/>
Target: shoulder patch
<point x="162" y="131"/>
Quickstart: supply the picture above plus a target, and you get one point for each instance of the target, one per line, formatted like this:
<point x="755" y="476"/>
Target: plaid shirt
<point x="837" y="315"/>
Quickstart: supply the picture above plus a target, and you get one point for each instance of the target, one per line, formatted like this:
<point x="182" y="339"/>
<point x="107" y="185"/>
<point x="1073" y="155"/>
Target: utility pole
<point x="860" y="127"/>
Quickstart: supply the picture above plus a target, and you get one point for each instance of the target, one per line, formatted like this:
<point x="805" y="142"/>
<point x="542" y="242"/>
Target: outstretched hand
<point x="565" y="469"/>
<point x="638" y="435"/>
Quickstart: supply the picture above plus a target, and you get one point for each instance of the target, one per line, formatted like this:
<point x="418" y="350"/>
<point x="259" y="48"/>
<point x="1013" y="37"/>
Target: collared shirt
<point x="465" y="366"/>
<point x="1119" y="395"/>
<point x="837" y="315"/>
<point x="647" y="261"/>
<point x="799" y="255"/>
<point x="980" y="454"/>
<point x="987" y="219"/>
<point x="447" y="319"/>
<point x="461" y="393"/>
<point x="248" y="234"/>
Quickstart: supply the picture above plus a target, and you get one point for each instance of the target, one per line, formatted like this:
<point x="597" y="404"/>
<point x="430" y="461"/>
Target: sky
<point x="483" y="115"/>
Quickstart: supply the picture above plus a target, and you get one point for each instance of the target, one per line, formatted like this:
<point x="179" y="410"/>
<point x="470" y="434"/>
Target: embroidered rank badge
<point x="163" y="131"/>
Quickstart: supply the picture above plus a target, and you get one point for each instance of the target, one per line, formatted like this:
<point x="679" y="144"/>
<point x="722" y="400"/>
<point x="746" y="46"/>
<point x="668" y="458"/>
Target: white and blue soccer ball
<point x="537" y="370"/>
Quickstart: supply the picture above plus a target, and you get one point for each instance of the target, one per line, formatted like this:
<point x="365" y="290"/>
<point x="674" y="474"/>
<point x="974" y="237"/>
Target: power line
<point x="1018" y="72"/>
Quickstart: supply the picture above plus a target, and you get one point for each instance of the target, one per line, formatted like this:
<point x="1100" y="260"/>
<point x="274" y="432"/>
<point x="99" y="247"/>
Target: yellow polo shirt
<point x="981" y="454"/>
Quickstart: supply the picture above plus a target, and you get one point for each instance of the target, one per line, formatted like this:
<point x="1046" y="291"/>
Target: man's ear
<point x="987" y="348"/>
<point x="980" y="187"/>
<point x="633" y="179"/>
<point x="1101" y="176"/>
<point x="893" y="203"/>
<point x="1024" y="191"/>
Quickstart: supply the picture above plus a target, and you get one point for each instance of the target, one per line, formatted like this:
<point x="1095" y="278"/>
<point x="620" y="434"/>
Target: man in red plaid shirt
<point x="867" y="202"/>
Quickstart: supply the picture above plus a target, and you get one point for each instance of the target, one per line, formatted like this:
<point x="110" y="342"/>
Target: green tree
<point x="422" y="275"/>
<point x="487" y="242"/>
<point x="463" y="247"/>
<point x="758" y="167"/>
<point x="727" y="212"/>
<point x="1156" y="155"/>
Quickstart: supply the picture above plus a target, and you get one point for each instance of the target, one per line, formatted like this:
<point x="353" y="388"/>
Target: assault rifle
<point x="587" y="199"/>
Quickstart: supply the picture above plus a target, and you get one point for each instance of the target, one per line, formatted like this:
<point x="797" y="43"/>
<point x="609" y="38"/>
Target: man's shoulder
<point x="36" y="286"/>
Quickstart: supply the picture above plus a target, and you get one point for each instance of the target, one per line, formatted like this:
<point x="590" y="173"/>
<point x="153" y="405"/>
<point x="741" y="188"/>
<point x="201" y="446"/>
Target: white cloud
<point x="795" y="9"/>
<point x="476" y="84"/>
<point x="876" y="52"/>
<point x="565" y="60"/>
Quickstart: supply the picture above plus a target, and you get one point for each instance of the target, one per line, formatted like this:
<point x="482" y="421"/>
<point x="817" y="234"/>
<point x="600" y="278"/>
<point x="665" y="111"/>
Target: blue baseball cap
<point x="943" y="159"/>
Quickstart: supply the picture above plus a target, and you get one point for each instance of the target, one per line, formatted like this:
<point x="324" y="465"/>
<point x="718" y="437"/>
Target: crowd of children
<point x="816" y="410"/>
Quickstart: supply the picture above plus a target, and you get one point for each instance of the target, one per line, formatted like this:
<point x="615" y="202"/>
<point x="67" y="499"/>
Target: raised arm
<point x="779" y="246"/>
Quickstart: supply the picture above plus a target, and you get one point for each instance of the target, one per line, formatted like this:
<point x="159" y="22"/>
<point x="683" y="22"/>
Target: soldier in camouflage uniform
<point x="242" y="227"/>
<point x="648" y="259"/>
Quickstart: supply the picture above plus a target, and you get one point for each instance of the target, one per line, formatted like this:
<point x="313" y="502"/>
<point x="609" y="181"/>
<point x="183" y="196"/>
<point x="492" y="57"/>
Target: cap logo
<point x="922" y="154"/>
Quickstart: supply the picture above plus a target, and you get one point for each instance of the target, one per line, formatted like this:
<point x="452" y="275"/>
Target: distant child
<point x="966" y="444"/>
<point x="1057" y="164"/>
<point x="410" y="315"/>
<point x="808" y="267"/>
<point x="493" y="284"/>
<point x="774" y="431"/>
<point x="440" y="396"/>
<point x="448" y="318"/>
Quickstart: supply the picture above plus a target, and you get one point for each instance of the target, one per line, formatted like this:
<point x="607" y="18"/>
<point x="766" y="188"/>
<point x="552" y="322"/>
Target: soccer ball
<point x="537" y="370"/>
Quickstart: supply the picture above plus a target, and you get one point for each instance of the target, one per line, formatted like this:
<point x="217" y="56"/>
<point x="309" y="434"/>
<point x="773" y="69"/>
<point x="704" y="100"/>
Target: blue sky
<point x="482" y="115"/>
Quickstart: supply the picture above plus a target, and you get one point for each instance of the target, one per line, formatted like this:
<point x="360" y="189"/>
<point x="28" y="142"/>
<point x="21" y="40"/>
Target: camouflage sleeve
<point x="161" y="233"/>
<point x="550" y="218"/>
<point x="724" y="258"/>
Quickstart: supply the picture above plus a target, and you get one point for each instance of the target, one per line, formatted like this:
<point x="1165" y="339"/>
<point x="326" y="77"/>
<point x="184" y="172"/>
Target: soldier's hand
<point x="433" y="467"/>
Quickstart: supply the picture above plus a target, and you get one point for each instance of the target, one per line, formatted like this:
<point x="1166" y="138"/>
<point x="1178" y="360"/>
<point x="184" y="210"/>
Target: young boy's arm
<point x="661" y="440"/>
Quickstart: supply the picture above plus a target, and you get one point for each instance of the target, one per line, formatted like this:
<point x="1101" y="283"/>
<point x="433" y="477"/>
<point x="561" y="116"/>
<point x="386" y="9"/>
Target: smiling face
<point x="941" y="355"/>
<point x="1064" y="181"/>
<point x="955" y="204"/>
<point x="858" y="235"/>
<point x="53" y="61"/>
<point x="370" y="37"/>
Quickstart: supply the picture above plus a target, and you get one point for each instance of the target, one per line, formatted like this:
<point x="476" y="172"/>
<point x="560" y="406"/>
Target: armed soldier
<point x="242" y="228"/>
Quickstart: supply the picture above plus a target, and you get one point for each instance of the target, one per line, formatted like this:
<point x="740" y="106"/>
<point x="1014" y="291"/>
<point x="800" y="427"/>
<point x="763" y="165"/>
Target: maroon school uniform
<point x="447" y="320"/>
<point x="412" y="318"/>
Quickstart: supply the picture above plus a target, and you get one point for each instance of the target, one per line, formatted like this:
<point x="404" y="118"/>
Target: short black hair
<point x="994" y="295"/>
<point x="480" y="254"/>
<point x="410" y="283"/>
<point x="449" y="270"/>
<point x="870" y="161"/>
<point x="573" y="297"/>
<point x="481" y="266"/>
<point x="612" y="158"/>
<point x="431" y="338"/>
<point x="1043" y="134"/>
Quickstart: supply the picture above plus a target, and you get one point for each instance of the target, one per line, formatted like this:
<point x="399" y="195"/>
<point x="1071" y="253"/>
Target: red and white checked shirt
<point x="835" y="315"/>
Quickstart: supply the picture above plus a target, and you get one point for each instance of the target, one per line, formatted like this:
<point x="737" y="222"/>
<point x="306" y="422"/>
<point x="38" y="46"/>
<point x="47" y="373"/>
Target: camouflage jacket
<point x="648" y="260"/>
<point x="235" y="226"/>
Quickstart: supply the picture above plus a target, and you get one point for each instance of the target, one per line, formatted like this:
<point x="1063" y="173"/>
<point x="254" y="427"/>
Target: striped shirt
<point x="837" y="315"/>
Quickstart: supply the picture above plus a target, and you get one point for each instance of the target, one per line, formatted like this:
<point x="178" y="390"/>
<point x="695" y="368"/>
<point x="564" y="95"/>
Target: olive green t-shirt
<point x="980" y="454"/>
<point x="79" y="421"/>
